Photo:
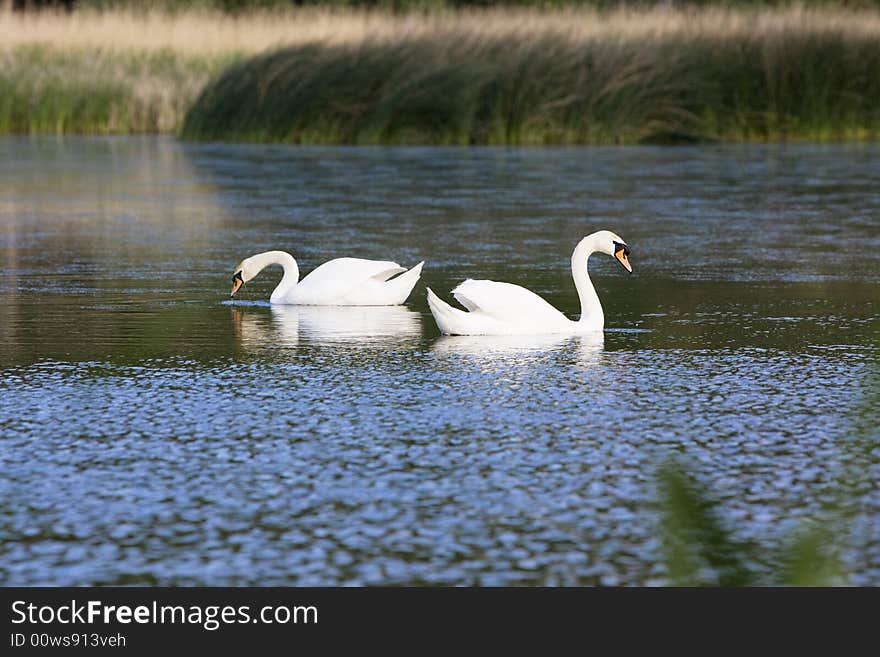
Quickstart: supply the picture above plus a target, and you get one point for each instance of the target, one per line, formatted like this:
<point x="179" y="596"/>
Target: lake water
<point x="151" y="432"/>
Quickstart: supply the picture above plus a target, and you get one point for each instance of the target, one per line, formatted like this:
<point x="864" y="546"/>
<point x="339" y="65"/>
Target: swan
<point x="339" y="282"/>
<point x="505" y="309"/>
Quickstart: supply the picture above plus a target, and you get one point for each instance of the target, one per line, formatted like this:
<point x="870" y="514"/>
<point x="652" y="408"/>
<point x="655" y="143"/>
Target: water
<point x="153" y="432"/>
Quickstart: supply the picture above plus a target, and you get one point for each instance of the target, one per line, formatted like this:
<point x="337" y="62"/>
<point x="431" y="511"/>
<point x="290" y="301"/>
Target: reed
<point x="498" y="76"/>
<point x="90" y="91"/>
<point x="700" y="550"/>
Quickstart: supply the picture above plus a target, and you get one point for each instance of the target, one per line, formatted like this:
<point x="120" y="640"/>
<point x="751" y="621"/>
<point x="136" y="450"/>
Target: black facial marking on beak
<point x="621" y="254"/>
<point x="237" y="282"/>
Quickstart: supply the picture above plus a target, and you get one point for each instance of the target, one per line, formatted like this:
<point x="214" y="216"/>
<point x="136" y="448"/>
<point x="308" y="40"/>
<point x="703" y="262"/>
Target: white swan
<point x="339" y="282"/>
<point x="504" y="309"/>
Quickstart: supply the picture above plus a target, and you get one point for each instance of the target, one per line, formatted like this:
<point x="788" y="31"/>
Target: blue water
<point x="153" y="432"/>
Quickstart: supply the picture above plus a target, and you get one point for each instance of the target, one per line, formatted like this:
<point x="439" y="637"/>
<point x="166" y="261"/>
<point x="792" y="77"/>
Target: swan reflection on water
<point x="585" y="347"/>
<point x="253" y="330"/>
<point x="348" y="323"/>
<point x="261" y="326"/>
<point x="287" y="325"/>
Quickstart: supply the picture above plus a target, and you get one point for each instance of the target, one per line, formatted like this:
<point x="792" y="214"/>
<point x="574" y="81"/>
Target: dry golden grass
<point x="209" y="34"/>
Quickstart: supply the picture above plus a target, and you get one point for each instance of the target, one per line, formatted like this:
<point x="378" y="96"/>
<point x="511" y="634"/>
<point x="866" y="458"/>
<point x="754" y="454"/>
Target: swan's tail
<point x="448" y="318"/>
<point x="401" y="286"/>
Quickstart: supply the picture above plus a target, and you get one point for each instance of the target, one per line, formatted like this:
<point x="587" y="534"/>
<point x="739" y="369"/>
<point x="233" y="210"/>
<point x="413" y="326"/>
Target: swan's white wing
<point x="506" y="302"/>
<point x="333" y="280"/>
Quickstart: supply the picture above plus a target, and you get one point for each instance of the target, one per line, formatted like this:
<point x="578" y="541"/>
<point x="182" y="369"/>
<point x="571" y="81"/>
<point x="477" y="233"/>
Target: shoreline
<point x="513" y="77"/>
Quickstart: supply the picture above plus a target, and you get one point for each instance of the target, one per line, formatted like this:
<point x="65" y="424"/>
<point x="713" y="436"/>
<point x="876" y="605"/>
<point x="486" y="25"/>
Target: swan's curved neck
<point x="592" y="316"/>
<point x="291" y="271"/>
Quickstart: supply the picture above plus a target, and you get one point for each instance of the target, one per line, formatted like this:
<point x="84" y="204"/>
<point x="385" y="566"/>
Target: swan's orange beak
<point x="237" y="282"/>
<point x="622" y="255"/>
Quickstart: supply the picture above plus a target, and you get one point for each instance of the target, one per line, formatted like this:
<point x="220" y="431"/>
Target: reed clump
<point x="496" y="76"/>
<point x="781" y="76"/>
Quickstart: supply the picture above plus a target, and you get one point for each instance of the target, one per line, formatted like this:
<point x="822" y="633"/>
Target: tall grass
<point x="700" y="550"/>
<point x="620" y="78"/>
<point x="493" y="76"/>
<point x="47" y="90"/>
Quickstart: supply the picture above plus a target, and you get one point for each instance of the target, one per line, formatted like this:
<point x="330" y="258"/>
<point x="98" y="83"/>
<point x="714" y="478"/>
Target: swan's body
<point x="495" y="308"/>
<point x="339" y="282"/>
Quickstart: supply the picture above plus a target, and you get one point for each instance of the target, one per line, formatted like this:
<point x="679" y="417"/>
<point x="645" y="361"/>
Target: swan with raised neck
<point x="495" y="308"/>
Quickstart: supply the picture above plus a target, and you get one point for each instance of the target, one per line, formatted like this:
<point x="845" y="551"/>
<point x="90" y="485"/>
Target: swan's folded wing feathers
<point x="460" y="294"/>
<point x="503" y="301"/>
<point x="385" y="274"/>
<point x="336" y="278"/>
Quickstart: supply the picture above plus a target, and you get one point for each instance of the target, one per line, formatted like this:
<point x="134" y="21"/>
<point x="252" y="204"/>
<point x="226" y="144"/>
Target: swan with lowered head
<point x="339" y="282"/>
<point x="504" y="309"/>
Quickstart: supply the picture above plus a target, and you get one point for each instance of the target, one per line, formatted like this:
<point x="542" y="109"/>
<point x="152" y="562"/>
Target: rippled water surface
<point x="153" y="432"/>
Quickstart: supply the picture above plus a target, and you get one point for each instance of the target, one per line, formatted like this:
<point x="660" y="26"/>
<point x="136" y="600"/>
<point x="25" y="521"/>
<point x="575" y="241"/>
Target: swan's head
<point x="243" y="273"/>
<point x="613" y="245"/>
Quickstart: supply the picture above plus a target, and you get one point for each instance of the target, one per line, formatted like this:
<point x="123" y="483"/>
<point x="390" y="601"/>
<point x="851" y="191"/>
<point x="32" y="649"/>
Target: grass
<point x="497" y="76"/>
<point x="701" y="550"/>
<point x="45" y="90"/>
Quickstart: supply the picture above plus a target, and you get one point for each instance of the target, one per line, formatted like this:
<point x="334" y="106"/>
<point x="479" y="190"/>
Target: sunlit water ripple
<point x="155" y="432"/>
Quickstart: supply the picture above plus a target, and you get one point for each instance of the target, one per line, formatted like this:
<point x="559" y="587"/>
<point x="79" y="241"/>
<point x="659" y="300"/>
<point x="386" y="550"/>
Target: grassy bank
<point x="111" y="73"/>
<point x="46" y="90"/>
<point x="495" y="76"/>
